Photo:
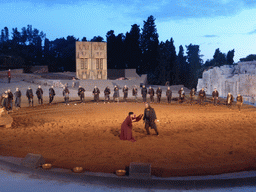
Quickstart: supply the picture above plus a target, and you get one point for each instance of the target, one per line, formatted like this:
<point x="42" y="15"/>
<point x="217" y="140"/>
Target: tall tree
<point x="120" y="52"/>
<point x="63" y="52"/>
<point x="6" y="34"/>
<point x="173" y="68"/>
<point x="195" y="62"/>
<point x="132" y="47"/>
<point x="115" y="50"/>
<point x="219" y="58"/>
<point x="29" y="34"/>
<point x="230" y="57"/>
<point x="111" y="39"/>
<point x="46" y="48"/>
<point x="97" y="39"/>
<point x="250" y="57"/>
<point x="149" y="44"/>
<point x="183" y="68"/>
<point x="84" y="39"/>
<point x="166" y="69"/>
<point x="2" y="39"/>
<point x="70" y="54"/>
<point x="161" y="73"/>
<point x="24" y="36"/>
<point x="16" y="36"/>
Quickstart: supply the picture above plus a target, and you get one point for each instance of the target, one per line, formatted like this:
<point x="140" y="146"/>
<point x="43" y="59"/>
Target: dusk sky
<point x="212" y="24"/>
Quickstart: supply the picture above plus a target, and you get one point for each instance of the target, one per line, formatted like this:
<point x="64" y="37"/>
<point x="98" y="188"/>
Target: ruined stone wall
<point x="236" y="79"/>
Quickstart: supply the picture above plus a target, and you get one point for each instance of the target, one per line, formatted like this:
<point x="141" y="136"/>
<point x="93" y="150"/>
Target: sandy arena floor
<point x="194" y="140"/>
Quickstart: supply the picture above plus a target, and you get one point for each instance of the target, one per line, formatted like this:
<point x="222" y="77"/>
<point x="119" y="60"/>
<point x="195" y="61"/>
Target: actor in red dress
<point x="126" y="128"/>
<point x="9" y="75"/>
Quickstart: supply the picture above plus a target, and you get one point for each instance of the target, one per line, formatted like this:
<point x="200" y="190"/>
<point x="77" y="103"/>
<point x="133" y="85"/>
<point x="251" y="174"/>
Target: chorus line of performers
<point x="215" y="98"/>
<point x="6" y="99"/>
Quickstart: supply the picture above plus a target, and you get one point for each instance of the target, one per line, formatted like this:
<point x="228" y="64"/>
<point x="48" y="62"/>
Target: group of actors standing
<point x="215" y="98"/>
<point x="125" y="89"/>
<point x="144" y="92"/>
<point x="7" y="97"/>
<point x="96" y="94"/>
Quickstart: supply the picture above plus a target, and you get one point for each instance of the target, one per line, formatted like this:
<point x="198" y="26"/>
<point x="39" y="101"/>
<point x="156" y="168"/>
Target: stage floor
<point x="194" y="140"/>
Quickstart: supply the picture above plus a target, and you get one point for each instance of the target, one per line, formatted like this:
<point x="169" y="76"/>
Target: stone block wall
<point x="236" y="79"/>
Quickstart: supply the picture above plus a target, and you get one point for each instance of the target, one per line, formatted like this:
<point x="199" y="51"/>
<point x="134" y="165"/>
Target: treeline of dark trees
<point x="138" y="48"/>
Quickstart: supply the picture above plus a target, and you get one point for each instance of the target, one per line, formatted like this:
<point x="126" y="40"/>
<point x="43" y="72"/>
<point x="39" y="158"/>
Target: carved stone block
<point x="140" y="170"/>
<point x="33" y="160"/>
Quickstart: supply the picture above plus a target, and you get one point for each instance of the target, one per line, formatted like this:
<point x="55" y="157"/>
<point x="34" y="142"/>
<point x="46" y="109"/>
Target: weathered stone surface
<point x="33" y="160"/>
<point x="236" y="79"/>
<point x="140" y="170"/>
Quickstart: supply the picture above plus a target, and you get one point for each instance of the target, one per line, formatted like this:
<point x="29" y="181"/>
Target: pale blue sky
<point x="212" y="24"/>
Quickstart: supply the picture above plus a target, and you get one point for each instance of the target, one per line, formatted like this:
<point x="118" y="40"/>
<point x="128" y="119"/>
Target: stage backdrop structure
<point x="236" y="79"/>
<point x="91" y="60"/>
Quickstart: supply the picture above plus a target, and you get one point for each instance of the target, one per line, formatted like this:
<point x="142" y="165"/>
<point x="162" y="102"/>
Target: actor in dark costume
<point x="51" y="94"/>
<point x="239" y="101"/>
<point x="10" y="100"/>
<point x="215" y="96"/>
<point x="192" y="96"/>
<point x="181" y="93"/>
<point x="125" y="91"/>
<point x="169" y="95"/>
<point x="126" y="128"/>
<point x="159" y="94"/>
<point x="202" y="96"/>
<point x="66" y="95"/>
<point x="39" y="93"/>
<point x="5" y="100"/>
<point x="107" y="93"/>
<point x="1" y="99"/>
<point x="96" y="93"/>
<point x="17" y="95"/>
<point x="80" y="93"/>
<point x="151" y="93"/>
<point x="229" y="100"/>
<point x="30" y="96"/>
<point x="116" y="94"/>
<point x="149" y="119"/>
<point x="135" y="92"/>
<point x="144" y="93"/>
